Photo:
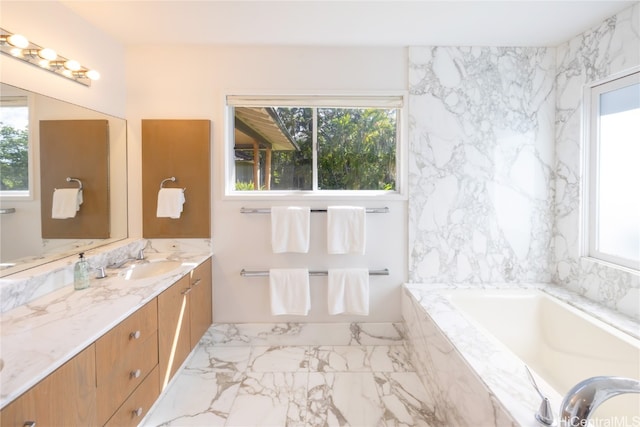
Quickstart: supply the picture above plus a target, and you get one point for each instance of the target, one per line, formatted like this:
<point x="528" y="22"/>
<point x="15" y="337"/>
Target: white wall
<point x="50" y="24"/>
<point x="174" y="82"/>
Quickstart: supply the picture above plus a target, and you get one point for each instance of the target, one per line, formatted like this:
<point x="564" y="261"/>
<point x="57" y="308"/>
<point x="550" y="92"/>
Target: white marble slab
<point x="294" y="385"/>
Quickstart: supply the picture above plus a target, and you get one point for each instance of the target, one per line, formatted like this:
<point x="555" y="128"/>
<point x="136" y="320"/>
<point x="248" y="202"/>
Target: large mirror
<point x="21" y="196"/>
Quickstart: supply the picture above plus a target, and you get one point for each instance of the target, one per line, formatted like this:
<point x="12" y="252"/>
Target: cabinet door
<point x="67" y="397"/>
<point x="174" y="336"/>
<point x="201" y="301"/>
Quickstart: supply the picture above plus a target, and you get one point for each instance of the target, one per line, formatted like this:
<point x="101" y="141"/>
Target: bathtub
<point x="473" y="344"/>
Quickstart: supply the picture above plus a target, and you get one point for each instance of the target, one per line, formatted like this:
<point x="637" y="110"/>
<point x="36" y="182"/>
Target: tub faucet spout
<point x="580" y="402"/>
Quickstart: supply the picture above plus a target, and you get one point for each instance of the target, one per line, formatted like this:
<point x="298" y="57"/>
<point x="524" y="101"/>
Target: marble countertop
<point x="39" y="337"/>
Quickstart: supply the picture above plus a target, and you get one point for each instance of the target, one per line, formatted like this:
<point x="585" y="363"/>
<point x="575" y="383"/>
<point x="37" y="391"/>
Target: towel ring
<point x="69" y="179"/>
<point x="172" y="179"/>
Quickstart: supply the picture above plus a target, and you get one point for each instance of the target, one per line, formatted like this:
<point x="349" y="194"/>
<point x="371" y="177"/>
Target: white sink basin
<point x="151" y="269"/>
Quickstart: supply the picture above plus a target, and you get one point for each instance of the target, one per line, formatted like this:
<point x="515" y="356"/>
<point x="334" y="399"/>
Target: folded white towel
<point x="290" y="229"/>
<point x="348" y="291"/>
<point x="346" y="229"/>
<point x="170" y="201"/>
<point x="289" y="291"/>
<point x="66" y="202"/>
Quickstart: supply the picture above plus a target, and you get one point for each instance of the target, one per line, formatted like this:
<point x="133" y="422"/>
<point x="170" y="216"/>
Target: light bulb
<point x="18" y="41"/>
<point x="43" y="63"/>
<point x="17" y="52"/>
<point x="72" y="65"/>
<point x="48" y="54"/>
<point x="93" y="74"/>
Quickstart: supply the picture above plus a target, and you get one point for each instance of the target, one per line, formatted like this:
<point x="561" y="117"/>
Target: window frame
<point x="591" y="115"/>
<point x="29" y="194"/>
<point x="318" y="100"/>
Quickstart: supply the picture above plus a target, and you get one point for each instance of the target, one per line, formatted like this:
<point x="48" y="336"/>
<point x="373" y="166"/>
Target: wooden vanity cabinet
<point x="174" y="329"/>
<point x="184" y="315"/>
<point x="201" y="301"/>
<point x="124" y="358"/>
<point x="116" y="380"/>
<point x="67" y="397"/>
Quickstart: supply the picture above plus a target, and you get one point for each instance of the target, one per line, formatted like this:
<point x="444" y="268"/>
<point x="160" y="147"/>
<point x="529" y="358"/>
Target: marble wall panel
<point x="610" y="48"/>
<point x="481" y="160"/>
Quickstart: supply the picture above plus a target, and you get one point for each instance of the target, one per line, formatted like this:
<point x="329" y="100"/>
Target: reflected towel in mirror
<point x="66" y="202"/>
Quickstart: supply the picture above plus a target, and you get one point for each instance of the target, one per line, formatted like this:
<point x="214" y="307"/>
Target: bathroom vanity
<point x="102" y="356"/>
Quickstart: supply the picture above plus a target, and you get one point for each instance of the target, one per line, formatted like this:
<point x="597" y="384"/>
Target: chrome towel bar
<point x="268" y="210"/>
<point x="265" y="273"/>
<point x="69" y="179"/>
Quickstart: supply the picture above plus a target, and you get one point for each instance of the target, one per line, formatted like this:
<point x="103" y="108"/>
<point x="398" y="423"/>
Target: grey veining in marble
<point x="245" y="382"/>
<point x="480" y="164"/>
<point x="609" y="48"/>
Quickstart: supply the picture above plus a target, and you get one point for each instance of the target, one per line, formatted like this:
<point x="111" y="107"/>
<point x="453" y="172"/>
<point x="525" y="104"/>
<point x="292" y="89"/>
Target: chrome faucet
<point x="580" y="402"/>
<point x="138" y="257"/>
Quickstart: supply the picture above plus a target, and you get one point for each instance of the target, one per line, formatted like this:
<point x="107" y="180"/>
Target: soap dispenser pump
<point x="81" y="273"/>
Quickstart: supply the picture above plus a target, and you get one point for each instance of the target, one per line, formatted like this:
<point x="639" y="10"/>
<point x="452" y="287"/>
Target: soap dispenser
<point x="81" y="273"/>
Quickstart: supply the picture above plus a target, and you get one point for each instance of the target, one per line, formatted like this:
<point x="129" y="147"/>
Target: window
<point x="314" y="144"/>
<point x="14" y="146"/>
<point x="613" y="166"/>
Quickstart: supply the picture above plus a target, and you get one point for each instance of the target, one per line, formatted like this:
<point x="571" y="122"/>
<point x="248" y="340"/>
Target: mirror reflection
<point x="26" y="192"/>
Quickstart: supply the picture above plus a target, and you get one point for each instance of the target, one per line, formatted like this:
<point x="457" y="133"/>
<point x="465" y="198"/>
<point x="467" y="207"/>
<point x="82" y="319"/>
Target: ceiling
<point x="346" y="23"/>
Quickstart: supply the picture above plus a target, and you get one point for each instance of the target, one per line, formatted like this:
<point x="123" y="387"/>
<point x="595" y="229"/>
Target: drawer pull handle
<point x="137" y="412"/>
<point x="197" y="282"/>
<point x="135" y="374"/>
<point x="186" y="291"/>
<point x="29" y="424"/>
<point x="134" y="335"/>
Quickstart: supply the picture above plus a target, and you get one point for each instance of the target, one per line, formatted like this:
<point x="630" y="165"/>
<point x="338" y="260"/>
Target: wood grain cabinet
<point x="67" y="397"/>
<point x="116" y="380"/>
<point x="184" y="314"/>
<point x="201" y="301"/>
<point x="124" y="358"/>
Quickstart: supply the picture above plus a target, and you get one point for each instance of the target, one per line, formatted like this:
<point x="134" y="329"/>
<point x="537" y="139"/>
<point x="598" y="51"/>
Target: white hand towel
<point x="348" y="291"/>
<point x="346" y="229"/>
<point x="289" y="291"/>
<point x="290" y="229"/>
<point x="66" y="202"/>
<point x="170" y="201"/>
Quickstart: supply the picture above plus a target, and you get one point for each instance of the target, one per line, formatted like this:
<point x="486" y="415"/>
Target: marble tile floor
<point x="250" y="384"/>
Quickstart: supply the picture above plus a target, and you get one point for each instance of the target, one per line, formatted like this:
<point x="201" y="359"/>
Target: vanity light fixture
<point x="21" y="48"/>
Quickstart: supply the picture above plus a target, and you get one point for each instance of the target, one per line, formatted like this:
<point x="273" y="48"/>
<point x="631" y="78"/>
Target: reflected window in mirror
<point x="15" y="176"/>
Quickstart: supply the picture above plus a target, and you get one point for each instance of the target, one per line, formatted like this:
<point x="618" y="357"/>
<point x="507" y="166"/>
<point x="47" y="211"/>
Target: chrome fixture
<point x="21" y="48"/>
<point x="580" y="402"/>
<point x="138" y="257"/>
<point x="544" y="414"/>
<point x="69" y="179"/>
<point x="101" y="273"/>
<point x="268" y="210"/>
<point x="264" y="273"/>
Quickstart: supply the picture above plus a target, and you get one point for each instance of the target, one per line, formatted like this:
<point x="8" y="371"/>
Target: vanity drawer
<point x="138" y="404"/>
<point x="127" y="338"/>
<point x="129" y="372"/>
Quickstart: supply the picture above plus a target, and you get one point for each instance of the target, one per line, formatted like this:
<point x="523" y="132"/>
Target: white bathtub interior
<point x="561" y="344"/>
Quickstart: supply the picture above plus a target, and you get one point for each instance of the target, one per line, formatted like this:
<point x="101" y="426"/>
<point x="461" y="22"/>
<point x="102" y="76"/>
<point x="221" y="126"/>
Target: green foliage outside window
<point x="14" y="158"/>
